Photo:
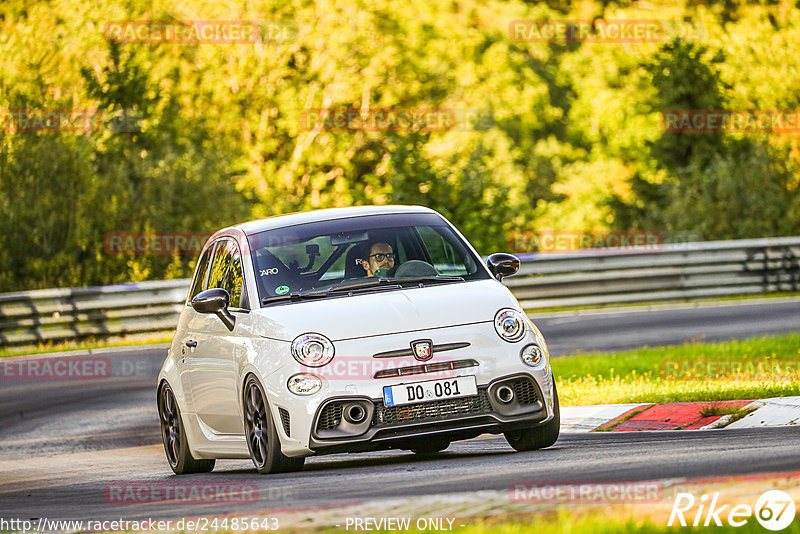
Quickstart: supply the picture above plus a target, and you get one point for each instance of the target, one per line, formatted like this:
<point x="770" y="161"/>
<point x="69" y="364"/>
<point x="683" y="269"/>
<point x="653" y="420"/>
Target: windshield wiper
<point x="426" y="279"/>
<point x="294" y="296"/>
<point x="362" y="284"/>
<point x="395" y="282"/>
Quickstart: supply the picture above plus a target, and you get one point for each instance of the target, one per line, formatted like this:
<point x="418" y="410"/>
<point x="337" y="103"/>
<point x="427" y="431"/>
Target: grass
<point x="713" y="410"/>
<point x="600" y="523"/>
<point x="608" y="427"/>
<point x="749" y="369"/>
<point x="595" y="522"/>
<point x="88" y="344"/>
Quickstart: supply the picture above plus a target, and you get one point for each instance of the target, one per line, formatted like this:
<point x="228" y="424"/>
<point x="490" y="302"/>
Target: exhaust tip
<point x="355" y="414"/>
<point x="505" y="394"/>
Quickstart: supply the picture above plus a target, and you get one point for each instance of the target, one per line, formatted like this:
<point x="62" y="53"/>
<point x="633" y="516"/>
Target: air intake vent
<point x="431" y="411"/>
<point x="331" y="416"/>
<point x="524" y="391"/>
<point x="285" y="420"/>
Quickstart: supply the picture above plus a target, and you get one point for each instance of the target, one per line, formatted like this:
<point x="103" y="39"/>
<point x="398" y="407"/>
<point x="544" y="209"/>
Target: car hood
<point x="386" y="312"/>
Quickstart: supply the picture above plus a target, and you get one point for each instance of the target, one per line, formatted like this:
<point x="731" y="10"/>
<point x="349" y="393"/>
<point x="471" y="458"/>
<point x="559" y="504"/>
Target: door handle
<point x="191" y="343"/>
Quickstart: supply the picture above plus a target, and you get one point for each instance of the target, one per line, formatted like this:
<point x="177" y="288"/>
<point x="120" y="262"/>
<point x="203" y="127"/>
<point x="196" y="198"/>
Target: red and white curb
<point x="779" y="411"/>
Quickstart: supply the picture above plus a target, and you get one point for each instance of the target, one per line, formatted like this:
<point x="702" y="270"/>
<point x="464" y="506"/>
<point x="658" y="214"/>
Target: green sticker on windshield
<point x="281" y="290"/>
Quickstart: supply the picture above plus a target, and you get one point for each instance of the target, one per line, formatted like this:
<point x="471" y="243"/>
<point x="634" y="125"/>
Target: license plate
<point x="462" y="386"/>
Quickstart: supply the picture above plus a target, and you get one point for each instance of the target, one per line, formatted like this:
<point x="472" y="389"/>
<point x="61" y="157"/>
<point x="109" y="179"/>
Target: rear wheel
<point x="262" y="438"/>
<point x="173" y="435"/>
<point x="532" y="439"/>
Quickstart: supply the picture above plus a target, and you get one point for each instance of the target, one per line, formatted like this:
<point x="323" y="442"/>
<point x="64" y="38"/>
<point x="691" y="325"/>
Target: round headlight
<point x="509" y="324"/>
<point x="533" y="355"/>
<point x="312" y="350"/>
<point x="304" y="384"/>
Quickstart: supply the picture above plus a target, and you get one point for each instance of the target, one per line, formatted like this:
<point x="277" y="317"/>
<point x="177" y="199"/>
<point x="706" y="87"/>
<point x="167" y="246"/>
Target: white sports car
<point x="349" y="330"/>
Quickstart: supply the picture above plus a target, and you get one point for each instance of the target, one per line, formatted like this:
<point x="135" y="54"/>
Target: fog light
<point x="304" y="384"/>
<point x="533" y="355"/>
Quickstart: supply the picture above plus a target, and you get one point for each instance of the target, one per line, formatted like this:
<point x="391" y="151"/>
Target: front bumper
<point x="354" y="375"/>
<point x="450" y="419"/>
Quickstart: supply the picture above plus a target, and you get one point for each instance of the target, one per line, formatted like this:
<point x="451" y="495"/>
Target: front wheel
<point x="262" y="438"/>
<point x="532" y="439"/>
<point x="174" y="437"/>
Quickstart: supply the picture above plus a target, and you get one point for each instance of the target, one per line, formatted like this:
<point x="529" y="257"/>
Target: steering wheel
<point x="415" y="268"/>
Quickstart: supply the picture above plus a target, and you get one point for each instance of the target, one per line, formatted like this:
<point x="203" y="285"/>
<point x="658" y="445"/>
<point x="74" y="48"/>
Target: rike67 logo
<point x="774" y="510"/>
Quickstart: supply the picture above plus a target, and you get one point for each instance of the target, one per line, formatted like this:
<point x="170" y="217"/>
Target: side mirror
<point x="215" y="301"/>
<point x="502" y="265"/>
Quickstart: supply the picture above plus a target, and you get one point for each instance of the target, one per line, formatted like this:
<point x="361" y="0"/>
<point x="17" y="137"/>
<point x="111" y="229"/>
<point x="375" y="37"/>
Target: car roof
<point x="293" y="219"/>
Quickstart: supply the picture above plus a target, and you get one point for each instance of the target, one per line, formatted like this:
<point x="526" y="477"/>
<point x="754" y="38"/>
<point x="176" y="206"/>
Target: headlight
<point x="312" y="350"/>
<point x="534" y="356"/>
<point x="510" y="325"/>
<point x="304" y="384"/>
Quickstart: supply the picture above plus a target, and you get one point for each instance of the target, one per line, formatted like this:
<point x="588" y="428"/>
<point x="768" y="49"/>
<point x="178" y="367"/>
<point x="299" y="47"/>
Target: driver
<point x="379" y="259"/>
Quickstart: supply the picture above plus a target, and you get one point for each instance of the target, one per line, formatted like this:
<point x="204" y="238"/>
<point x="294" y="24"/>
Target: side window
<point x="200" y="273"/>
<point x="446" y="260"/>
<point x="234" y="278"/>
<point x="220" y="264"/>
<point x="226" y="271"/>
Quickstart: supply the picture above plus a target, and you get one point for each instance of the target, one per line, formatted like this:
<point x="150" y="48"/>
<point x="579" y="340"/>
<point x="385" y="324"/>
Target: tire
<point x="531" y="439"/>
<point x="173" y="435"/>
<point x="262" y="438"/>
<point x="430" y="447"/>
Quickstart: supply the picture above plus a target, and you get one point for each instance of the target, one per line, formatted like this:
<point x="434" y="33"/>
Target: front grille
<point x="524" y="391"/>
<point x="427" y="368"/>
<point x="435" y="349"/>
<point x="330" y="417"/>
<point x="285" y="420"/>
<point x="431" y="411"/>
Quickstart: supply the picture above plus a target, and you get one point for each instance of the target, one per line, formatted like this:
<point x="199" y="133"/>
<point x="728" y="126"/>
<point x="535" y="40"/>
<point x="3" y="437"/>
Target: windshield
<point x="377" y="252"/>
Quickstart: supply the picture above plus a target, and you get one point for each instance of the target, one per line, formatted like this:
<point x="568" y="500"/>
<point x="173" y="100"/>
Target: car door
<point x="185" y="341"/>
<point x="211" y="365"/>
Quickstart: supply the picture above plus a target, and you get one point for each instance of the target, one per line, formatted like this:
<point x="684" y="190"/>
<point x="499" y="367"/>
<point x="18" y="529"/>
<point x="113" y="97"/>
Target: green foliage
<point x="550" y="135"/>
<point x="741" y="185"/>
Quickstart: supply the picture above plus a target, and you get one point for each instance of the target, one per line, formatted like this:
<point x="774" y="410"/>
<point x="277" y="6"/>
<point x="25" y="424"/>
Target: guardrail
<point x="682" y="271"/>
<point x="61" y="314"/>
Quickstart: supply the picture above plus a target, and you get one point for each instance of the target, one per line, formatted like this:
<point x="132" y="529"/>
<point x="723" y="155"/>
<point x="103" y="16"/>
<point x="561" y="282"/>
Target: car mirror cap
<point x="211" y="300"/>
<point x="501" y="265"/>
<point x="215" y="301"/>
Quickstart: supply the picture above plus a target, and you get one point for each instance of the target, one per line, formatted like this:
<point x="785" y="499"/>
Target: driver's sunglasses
<point x="381" y="257"/>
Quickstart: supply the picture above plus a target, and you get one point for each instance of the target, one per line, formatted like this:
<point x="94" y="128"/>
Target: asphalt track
<point x="625" y="328"/>
<point x="66" y="444"/>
